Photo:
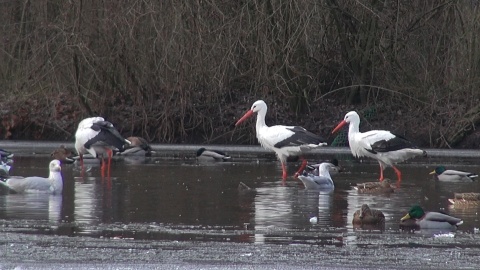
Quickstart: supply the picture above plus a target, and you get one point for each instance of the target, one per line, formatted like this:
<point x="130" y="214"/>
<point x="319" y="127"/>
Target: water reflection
<point x="165" y="199"/>
<point x="36" y="206"/>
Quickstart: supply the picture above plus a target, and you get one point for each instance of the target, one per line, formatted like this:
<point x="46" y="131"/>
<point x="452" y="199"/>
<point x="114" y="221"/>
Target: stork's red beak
<point x="339" y="126"/>
<point x="244" y="117"/>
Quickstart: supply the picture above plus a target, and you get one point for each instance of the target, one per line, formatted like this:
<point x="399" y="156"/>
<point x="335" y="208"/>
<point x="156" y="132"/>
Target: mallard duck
<point x="211" y="155"/>
<point x="335" y="169"/>
<point x="138" y="147"/>
<point x="321" y="181"/>
<point x="417" y="218"/>
<point x="52" y="184"/>
<point x="465" y="199"/>
<point x="444" y="175"/>
<point x="5" y="155"/>
<point x="375" y="187"/>
<point x="63" y="154"/>
<point x="367" y="216"/>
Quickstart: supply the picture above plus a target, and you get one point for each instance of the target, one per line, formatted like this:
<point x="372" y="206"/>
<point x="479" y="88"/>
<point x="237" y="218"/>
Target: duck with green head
<point x="444" y="175"/>
<point x="417" y="218"/>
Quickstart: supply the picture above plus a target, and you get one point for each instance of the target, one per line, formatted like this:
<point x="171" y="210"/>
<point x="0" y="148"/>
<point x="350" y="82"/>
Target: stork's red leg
<point x="302" y="167"/>
<point x="110" y="154"/>
<point x="284" y="171"/>
<point x="399" y="173"/>
<point x="381" y="172"/>
<point x="102" y="168"/>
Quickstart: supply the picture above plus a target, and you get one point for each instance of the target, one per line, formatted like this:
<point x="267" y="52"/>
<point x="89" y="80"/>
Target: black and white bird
<point x="285" y="141"/>
<point x="314" y="168"/>
<point x="207" y="155"/>
<point x="53" y="184"/>
<point x="444" y="175"/>
<point x="99" y="138"/>
<point x="138" y="147"/>
<point x="384" y="146"/>
<point x="6" y="156"/>
<point x="322" y="181"/>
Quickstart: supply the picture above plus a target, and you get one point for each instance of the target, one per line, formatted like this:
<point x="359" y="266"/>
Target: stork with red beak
<point x="285" y="141"/>
<point x="384" y="146"/>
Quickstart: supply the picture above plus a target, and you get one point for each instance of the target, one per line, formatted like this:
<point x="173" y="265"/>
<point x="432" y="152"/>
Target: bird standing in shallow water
<point x="285" y="141"/>
<point x="444" y="175"/>
<point x="99" y="138"/>
<point x="384" y="146"/>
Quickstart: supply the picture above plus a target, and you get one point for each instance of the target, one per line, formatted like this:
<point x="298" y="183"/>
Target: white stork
<point x="384" y="146"/>
<point x="99" y="138"/>
<point x="285" y="141"/>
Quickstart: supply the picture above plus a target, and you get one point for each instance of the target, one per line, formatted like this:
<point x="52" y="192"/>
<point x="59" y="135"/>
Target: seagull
<point x="138" y="147"/>
<point x="444" y="175"/>
<point x="384" y="146"/>
<point x="319" y="182"/>
<point x="211" y="155"/>
<point x="285" y="141"/>
<point x="53" y="184"/>
<point x="99" y="138"/>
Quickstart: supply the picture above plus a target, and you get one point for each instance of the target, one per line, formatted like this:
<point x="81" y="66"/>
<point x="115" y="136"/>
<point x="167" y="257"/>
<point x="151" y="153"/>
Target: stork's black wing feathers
<point x="301" y="136"/>
<point x="396" y="143"/>
<point x="108" y="135"/>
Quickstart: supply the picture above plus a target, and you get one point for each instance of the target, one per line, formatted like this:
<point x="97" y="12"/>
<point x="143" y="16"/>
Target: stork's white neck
<point x="353" y="129"/>
<point x="261" y="120"/>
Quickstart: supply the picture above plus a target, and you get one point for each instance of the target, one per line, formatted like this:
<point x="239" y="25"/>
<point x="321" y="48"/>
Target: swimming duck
<point x="335" y="169"/>
<point x="53" y="184"/>
<point x="375" y="187"/>
<point x="417" y="218"/>
<point x="321" y="181"/>
<point x="138" y="147"/>
<point x="63" y="154"/>
<point x="367" y="216"/>
<point x="465" y="199"/>
<point x="444" y="175"/>
<point x="211" y="155"/>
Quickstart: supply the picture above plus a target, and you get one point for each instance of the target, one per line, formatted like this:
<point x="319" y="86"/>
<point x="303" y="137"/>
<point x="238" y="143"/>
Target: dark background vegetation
<point x="185" y="71"/>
